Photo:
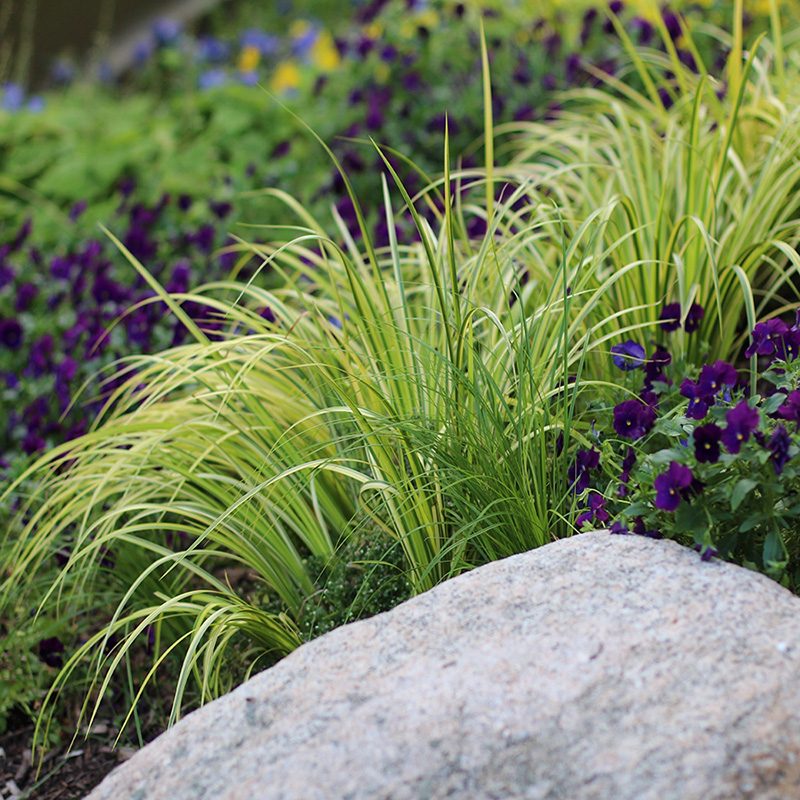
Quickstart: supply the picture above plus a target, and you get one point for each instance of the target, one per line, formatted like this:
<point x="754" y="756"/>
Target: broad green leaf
<point x="740" y="491"/>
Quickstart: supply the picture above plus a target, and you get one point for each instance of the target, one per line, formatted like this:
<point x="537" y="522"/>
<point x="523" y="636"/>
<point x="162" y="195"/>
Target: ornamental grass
<point x="434" y="386"/>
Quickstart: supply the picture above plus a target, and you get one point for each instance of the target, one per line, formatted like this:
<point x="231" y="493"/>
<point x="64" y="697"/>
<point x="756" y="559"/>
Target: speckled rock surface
<point x="596" y="667"/>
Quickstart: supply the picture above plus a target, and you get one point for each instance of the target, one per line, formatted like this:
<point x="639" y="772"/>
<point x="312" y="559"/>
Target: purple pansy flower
<point x="10" y="334"/>
<point x="706" y="552"/>
<point x="578" y="474"/>
<point x="706" y="443"/>
<point x="633" y="419"/>
<point x="714" y="377"/>
<point x="764" y="336"/>
<point x="742" y="421"/>
<point x="654" y="368"/>
<point x="50" y="650"/>
<point x="628" y="355"/>
<point x="669" y="484"/>
<point x="779" y="446"/>
<point x="618" y="527"/>
<point x="787" y="346"/>
<point x="698" y="401"/>
<point x="596" y="503"/>
<point x="692" y="321"/>
<point x="26" y="293"/>
<point x="640" y="530"/>
<point x="670" y="317"/>
<point x="625" y="475"/>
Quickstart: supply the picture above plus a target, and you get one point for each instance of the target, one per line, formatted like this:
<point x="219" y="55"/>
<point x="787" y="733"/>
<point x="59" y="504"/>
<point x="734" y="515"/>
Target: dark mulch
<point x="63" y="775"/>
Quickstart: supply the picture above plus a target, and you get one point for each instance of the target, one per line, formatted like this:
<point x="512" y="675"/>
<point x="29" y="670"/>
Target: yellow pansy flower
<point x="286" y="77"/>
<point x="249" y="58"/>
<point x="324" y="54"/>
<point x="372" y="31"/>
<point x="299" y="28"/>
<point x="382" y="72"/>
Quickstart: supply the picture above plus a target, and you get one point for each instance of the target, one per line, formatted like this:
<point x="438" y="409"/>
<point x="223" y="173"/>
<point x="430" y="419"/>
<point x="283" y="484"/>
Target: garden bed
<point x="314" y="408"/>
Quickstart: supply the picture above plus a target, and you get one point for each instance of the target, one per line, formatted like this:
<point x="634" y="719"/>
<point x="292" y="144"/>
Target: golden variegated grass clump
<point x="421" y="389"/>
<point x="700" y="178"/>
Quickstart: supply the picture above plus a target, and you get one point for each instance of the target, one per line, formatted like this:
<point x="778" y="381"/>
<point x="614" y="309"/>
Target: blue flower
<point x="628" y="355"/>
<point x="212" y="79"/>
<point x="166" y="31"/>
<point x="263" y="42"/>
<point x="12" y="98"/>
<point x="212" y="50"/>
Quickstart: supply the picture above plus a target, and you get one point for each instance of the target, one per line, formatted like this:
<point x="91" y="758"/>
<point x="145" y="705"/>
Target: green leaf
<point x="690" y="518"/>
<point x="775" y="555"/>
<point x="671" y="427"/>
<point x="667" y="455"/>
<point x="751" y="522"/>
<point x="740" y="491"/>
<point x="636" y="509"/>
<point x="774" y="402"/>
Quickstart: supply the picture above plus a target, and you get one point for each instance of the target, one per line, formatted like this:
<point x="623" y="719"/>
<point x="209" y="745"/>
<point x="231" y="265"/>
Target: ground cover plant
<point x="702" y="459"/>
<point x="369" y="411"/>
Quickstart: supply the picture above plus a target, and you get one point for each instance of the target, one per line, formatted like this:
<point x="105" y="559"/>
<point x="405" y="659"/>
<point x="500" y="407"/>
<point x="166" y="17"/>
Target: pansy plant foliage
<point x="695" y="457"/>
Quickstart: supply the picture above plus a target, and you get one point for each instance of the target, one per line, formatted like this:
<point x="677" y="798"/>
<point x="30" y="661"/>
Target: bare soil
<point x="64" y="774"/>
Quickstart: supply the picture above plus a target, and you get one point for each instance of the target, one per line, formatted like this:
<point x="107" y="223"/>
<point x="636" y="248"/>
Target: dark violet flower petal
<point x="779" y="444"/>
<point x="787" y="346"/>
<point x="742" y="421"/>
<point x="628" y="355"/>
<point x="26" y="294"/>
<point x="579" y="473"/>
<point x="670" y="317"/>
<point x="596" y="512"/>
<point x="10" y="334"/>
<point x="633" y="419"/>
<point x="669" y="484"/>
<point x="618" y="527"/>
<point x="698" y="403"/>
<point x="640" y="530"/>
<point x="50" y="650"/>
<point x="714" y="377"/>
<point x="692" y="322"/>
<point x="77" y="209"/>
<point x="706" y="443"/>
<point x="706" y="552"/>
<point x="764" y="336"/>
